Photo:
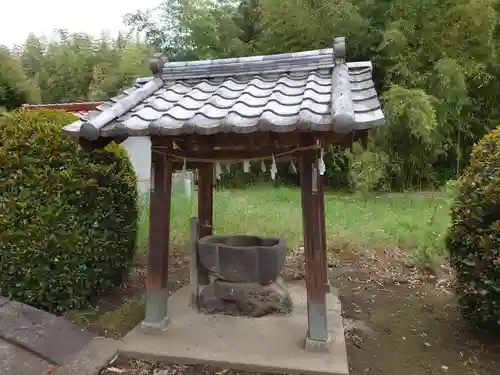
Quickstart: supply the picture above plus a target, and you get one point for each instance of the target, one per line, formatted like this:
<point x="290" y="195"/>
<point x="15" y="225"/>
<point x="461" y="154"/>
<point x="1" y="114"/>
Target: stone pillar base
<point x="319" y="346"/>
<point x="156" y="318"/>
<point x="147" y="327"/>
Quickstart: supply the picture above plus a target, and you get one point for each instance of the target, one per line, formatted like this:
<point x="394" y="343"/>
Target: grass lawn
<point x="411" y="221"/>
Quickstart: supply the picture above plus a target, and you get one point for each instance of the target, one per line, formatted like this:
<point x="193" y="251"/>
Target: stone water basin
<point x="243" y="258"/>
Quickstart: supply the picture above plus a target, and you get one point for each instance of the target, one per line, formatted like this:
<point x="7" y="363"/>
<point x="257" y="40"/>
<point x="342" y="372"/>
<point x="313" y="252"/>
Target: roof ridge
<point x="274" y="63"/>
<point x="350" y="65"/>
<point x="243" y="59"/>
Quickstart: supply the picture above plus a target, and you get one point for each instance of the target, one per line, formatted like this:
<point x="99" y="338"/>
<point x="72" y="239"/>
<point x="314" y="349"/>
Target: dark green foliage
<point x="68" y="218"/>
<point x="238" y="178"/>
<point x="15" y="88"/>
<point x="436" y="67"/>
<point x="473" y="240"/>
<point x="336" y="175"/>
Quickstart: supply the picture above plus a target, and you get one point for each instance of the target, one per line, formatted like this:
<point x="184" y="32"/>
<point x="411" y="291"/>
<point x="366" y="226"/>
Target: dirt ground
<point x="408" y="326"/>
<point x="398" y="320"/>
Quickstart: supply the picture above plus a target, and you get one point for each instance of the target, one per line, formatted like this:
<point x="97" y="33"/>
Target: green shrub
<point x="68" y="218"/>
<point x="368" y="169"/>
<point x="473" y="239"/>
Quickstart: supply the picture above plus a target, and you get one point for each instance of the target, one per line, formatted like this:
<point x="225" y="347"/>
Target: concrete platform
<point x="32" y="342"/>
<point x="272" y="344"/>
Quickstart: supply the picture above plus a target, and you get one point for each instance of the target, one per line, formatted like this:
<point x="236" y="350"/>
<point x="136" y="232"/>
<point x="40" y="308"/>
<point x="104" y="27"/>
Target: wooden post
<point x="205" y="210"/>
<point x="317" y="333"/>
<point x="159" y="238"/>
<point x="194" y="264"/>
<point x="205" y="198"/>
<point x="322" y="229"/>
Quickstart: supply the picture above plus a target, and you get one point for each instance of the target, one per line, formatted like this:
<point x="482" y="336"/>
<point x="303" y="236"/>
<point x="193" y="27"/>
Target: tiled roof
<point x="314" y="90"/>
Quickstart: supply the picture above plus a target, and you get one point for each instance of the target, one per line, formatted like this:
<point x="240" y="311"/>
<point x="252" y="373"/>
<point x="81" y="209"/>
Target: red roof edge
<point x="69" y="107"/>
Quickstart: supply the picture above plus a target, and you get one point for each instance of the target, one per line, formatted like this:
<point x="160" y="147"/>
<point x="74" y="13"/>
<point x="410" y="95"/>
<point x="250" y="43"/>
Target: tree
<point x="436" y="63"/>
<point x="199" y="29"/>
<point x="15" y="87"/>
<point x="301" y="25"/>
<point x="122" y="67"/>
<point x="447" y="49"/>
<point x="78" y="67"/>
<point x="33" y="56"/>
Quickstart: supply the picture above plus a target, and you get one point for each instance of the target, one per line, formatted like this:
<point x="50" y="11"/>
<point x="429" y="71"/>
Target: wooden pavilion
<point x="198" y="113"/>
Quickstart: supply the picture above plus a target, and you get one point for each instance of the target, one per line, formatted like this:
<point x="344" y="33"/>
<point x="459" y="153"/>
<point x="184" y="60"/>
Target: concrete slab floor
<point x="272" y="344"/>
<point x="33" y="341"/>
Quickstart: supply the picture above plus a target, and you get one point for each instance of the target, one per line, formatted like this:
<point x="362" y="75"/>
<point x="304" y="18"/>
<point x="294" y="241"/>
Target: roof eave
<point x="344" y="119"/>
<point x="90" y="129"/>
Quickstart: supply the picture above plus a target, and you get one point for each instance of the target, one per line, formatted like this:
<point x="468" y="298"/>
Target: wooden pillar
<point x="159" y="237"/>
<point x="322" y="229"/>
<point x="317" y="333"/>
<point x="205" y="212"/>
<point x="195" y="265"/>
<point x="205" y="198"/>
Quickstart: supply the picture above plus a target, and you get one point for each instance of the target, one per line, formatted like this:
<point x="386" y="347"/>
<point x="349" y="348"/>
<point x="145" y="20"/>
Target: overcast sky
<point x="20" y="17"/>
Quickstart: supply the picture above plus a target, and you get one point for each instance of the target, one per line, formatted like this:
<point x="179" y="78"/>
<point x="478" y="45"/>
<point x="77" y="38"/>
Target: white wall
<point x="139" y="150"/>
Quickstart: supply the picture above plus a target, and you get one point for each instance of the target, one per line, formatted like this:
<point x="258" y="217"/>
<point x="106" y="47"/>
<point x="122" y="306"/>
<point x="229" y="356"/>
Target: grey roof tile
<point x="262" y="93"/>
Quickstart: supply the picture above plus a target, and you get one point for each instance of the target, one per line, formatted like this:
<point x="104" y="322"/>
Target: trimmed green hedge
<point x="473" y="240"/>
<point x="68" y="218"/>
